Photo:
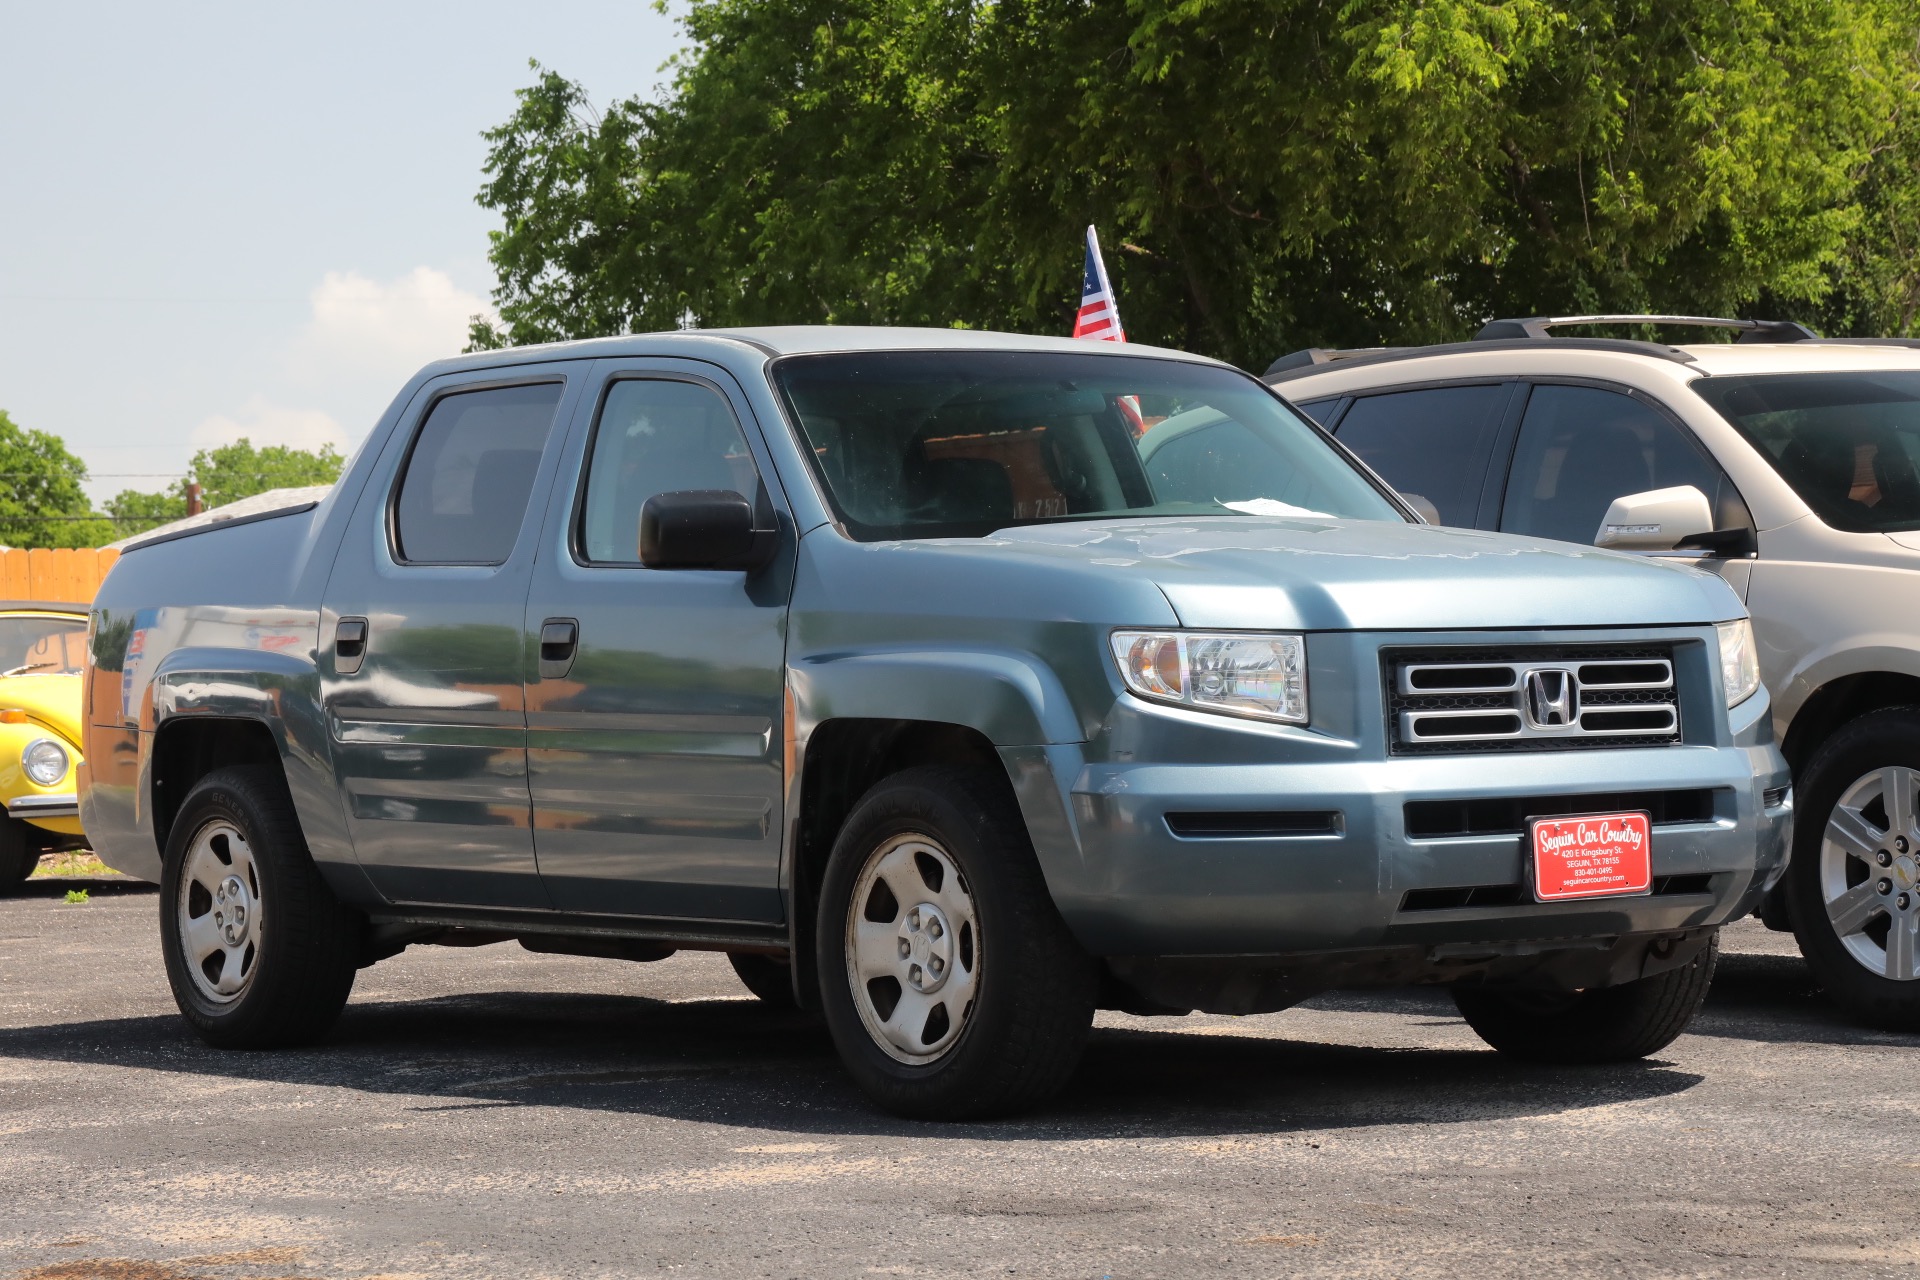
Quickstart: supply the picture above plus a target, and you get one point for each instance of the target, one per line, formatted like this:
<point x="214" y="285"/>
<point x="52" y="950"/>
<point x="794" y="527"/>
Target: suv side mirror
<point x="702" y="529"/>
<point x="1657" y="520"/>
<point x="1428" y="512"/>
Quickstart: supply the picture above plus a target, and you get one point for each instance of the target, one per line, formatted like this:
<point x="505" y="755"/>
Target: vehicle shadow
<point x="739" y="1062"/>
<point x="95" y="886"/>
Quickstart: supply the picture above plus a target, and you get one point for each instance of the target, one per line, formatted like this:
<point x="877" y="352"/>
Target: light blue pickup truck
<point x="954" y="684"/>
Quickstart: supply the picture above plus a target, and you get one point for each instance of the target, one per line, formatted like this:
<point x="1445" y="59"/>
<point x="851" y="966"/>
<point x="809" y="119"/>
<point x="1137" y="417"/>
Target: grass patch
<point x="80" y="862"/>
<point x="76" y="897"/>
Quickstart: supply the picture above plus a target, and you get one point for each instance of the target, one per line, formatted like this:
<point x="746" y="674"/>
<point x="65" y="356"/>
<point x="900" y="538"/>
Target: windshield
<point x="958" y="444"/>
<point x="1848" y="443"/>
<point x="42" y="646"/>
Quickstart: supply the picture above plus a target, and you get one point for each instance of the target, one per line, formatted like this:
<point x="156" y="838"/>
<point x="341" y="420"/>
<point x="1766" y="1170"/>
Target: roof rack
<point x="1750" y="330"/>
<point x="1298" y="363"/>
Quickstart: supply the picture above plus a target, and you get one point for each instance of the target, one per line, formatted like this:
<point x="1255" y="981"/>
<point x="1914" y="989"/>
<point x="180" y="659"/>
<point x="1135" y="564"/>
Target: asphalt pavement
<point x="492" y="1112"/>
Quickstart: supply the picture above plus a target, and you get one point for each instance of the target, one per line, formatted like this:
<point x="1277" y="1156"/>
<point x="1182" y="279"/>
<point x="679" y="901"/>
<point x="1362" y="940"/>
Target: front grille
<point x="1512" y="895"/>
<point x="1531" y="698"/>
<point x="1507" y="815"/>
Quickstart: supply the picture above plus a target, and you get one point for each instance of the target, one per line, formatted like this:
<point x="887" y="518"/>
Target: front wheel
<point x="950" y="983"/>
<point x="19" y="854"/>
<point x="1607" y="1024"/>
<point x="1853" y="887"/>
<point x="258" y="951"/>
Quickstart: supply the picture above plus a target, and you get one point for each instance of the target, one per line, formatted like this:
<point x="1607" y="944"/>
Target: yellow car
<point x="42" y="662"/>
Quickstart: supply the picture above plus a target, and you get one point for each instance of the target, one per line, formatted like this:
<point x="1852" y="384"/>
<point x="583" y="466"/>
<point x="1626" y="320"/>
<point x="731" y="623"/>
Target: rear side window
<point x="1582" y="447"/>
<point x="464" y="495"/>
<point x="1432" y="444"/>
<point x="657" y="437"/>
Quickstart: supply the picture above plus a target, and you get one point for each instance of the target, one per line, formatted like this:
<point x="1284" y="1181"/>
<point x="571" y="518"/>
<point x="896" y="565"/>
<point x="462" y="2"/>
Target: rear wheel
<point x="19" y="854"/>
<point x="258" y="951"/>
<point x="1853" y="888"/>
<point x="1607" y="1024"/>
<point x="949" y="981"/>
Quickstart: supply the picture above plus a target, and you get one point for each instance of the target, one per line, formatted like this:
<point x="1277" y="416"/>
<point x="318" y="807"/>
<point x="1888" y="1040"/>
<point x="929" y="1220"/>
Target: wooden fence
<point x="45" y="574"/>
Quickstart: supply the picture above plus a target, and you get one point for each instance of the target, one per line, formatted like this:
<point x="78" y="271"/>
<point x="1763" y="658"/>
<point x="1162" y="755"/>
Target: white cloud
<point x="265" y="423"/>
<point x="362" y="330"/>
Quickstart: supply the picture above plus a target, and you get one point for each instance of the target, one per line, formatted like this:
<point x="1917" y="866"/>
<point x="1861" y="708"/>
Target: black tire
<point x="1031" y="989"/>
<point x="767" y="978"/>
<point x="19" y="854"/>
<point x="305" y="944"/>
<point x="1607" y="1024"/>
<point x="1873" y="742"/>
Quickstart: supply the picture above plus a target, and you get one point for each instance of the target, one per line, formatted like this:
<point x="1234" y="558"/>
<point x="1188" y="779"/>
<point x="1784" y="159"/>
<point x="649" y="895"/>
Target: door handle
<point x="349" y="645"/>
<point x="559" y="641"/>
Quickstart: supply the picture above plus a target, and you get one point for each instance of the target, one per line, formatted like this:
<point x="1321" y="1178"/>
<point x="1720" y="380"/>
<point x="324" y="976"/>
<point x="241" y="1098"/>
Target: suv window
<point x="961" y="443"/>
<point x="1848" y="443"/>
<point x="464" y="494"/>
<point x="1320" y="410"/>
<point x="1432" y="444"/>
<point x="656" y="436"/>
<point x="1582" y="447"/>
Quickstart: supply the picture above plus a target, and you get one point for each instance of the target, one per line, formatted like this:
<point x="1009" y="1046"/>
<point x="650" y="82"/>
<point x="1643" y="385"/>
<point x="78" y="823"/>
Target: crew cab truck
<point x="955" y="684"/>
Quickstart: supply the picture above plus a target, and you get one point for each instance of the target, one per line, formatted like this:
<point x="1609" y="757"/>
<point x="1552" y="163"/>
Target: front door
<point x="655" y="697"/>
<point x="422" y="644"/>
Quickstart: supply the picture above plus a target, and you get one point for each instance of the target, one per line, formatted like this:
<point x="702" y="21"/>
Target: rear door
<point x="656" y="697"/>
<point x="422" y="652"/>
<point x="1434" y="444"/>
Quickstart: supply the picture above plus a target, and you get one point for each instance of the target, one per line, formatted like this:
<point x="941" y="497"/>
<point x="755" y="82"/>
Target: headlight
<point x="1739" y="664"/>
<point x="1240" y="673"/>
<point x="45" y="761"/>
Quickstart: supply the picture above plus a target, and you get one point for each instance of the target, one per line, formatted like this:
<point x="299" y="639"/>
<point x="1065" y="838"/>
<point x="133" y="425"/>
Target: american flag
<point x="1099" y="317"/>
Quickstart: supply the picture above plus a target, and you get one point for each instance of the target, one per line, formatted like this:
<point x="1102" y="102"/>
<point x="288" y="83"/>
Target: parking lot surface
<point x="491" y="1112"/>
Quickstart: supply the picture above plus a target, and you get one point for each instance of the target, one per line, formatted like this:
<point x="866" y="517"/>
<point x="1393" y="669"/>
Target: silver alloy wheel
<point x="913" y="949"/>
<point x="218" y="914"/>
<point x="1871" y="833"/>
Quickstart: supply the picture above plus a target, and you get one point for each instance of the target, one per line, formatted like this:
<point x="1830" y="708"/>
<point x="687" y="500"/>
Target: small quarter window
<point x="657" y="436"/>
<point x="464" y="495"/>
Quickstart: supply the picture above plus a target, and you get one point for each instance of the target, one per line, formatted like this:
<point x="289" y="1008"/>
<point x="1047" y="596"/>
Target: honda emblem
<point x="1553" y="698"/>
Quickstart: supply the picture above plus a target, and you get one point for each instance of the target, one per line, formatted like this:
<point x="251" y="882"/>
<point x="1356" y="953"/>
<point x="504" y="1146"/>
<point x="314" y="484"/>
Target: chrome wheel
<point x="1870" y="872"/>
<point x="913" y="949"/>
<point x="218" y="913"/>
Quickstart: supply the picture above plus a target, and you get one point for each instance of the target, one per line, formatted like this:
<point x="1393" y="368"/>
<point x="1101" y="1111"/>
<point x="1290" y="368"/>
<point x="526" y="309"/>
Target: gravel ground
<point x="491" y="1112"/>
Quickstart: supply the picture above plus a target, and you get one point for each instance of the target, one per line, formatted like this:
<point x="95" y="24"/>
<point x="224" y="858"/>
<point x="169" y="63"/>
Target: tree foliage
<point x="1267" y="174"/>
<point x="225" y="474"/>
<point x="42" y="503"/>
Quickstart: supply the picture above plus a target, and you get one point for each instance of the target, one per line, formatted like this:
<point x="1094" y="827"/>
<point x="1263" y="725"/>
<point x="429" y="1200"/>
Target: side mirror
<point x="702" y="529"/>
<point x="1657" y="520"/>
<point x="1426" y="509"/>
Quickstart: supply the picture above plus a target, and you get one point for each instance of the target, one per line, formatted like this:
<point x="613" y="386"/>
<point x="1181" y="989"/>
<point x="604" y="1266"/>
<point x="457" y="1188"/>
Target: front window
<point x="42" y="646"/>
<point x="958" y="444"/>
<point x="1848" y="443"/>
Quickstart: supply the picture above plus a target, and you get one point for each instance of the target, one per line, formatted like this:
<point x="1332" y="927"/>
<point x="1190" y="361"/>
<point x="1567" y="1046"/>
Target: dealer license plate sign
<point x="1602" y="855"/>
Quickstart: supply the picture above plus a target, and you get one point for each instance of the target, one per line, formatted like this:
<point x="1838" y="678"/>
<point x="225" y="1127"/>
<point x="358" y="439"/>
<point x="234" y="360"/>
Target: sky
<point x="227" y="220"/>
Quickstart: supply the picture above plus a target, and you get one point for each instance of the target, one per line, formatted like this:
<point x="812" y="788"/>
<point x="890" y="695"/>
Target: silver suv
<point x="1787" y="463"/>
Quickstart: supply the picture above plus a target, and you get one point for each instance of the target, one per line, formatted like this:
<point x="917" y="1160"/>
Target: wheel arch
<point x="1840" y="701"/>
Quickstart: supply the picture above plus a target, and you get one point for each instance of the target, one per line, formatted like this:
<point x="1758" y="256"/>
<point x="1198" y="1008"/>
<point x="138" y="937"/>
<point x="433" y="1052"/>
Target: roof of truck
<point x="816" y="339"/>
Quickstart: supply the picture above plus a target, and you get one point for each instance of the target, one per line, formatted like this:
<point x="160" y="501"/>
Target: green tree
<point x="226" y="474"/>
<point x="42" y="503"/>
<point x="1267" y="174"/>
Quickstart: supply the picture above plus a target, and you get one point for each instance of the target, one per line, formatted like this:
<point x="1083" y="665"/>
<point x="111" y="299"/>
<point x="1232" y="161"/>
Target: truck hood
<point x="1263" y="573"/>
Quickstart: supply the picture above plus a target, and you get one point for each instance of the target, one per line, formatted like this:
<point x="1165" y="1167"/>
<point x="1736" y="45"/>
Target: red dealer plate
<point x="1598" y="855"/>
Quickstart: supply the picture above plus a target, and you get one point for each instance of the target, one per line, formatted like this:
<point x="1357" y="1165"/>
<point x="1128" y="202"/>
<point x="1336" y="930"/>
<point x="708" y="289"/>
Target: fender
<point x="1008" y="697"/>
<point x="1848" y="656"/>
<point x="281" y="692"/>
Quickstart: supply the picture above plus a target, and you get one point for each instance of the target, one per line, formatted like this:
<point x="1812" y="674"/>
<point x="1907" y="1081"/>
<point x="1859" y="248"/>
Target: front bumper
<point x="1363" y="880"/>
<point x="35" y="808"/>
